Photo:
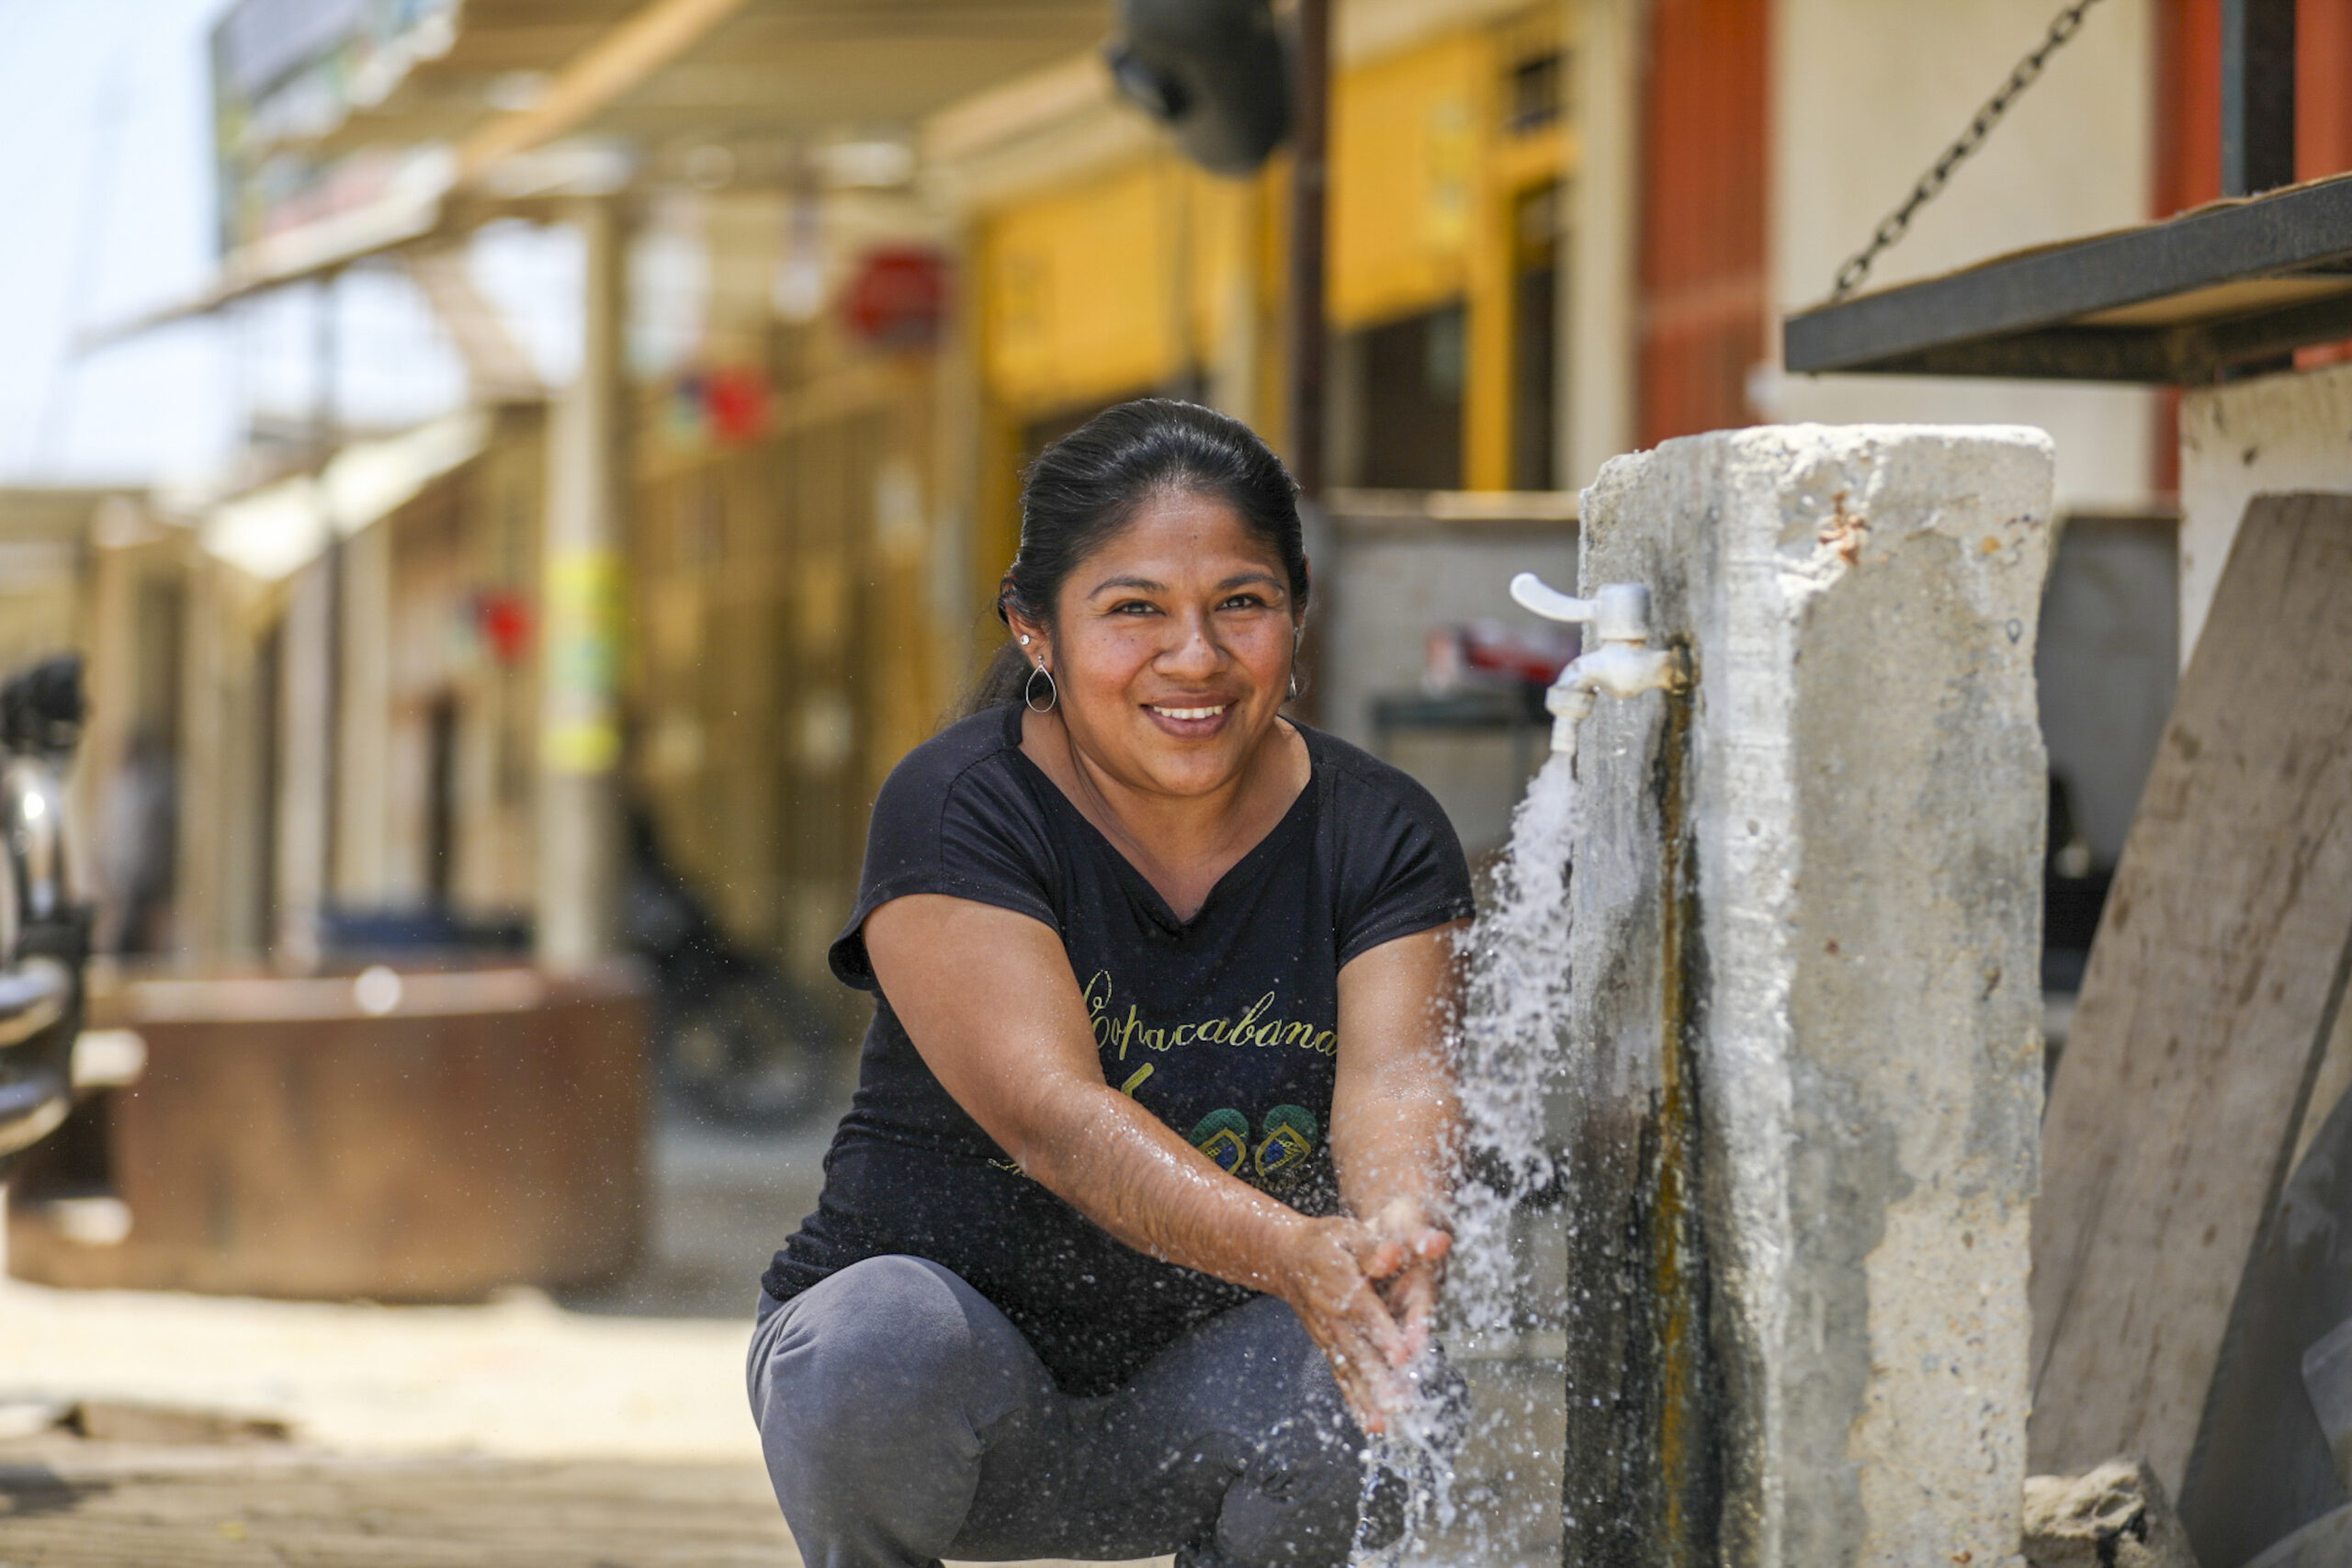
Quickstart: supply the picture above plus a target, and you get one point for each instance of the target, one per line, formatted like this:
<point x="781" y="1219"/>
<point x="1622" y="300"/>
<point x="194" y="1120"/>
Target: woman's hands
<point x="1410" y="1266"/>
<point x="1396" y="1136"/>
<point x="1366" y="1291"/>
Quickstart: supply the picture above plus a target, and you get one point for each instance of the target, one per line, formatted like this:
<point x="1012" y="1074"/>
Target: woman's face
<point x="1172" y="645"/>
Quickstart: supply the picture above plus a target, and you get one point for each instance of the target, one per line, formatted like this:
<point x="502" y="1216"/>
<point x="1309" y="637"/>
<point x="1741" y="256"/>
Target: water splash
<point x="1514" y="1011"/>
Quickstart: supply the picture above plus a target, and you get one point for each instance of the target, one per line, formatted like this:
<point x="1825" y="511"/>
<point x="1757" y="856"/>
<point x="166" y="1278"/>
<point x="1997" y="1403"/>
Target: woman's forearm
<point x="1399" y="1141"/>
<point x="1129" y="1172"/>
<point x="1396" y="1117"/>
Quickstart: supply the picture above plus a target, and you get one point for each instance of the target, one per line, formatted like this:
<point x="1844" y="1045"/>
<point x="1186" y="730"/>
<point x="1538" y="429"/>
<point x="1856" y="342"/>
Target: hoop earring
<point x="1029" y="690"/>
<point x="1294" y="687"/>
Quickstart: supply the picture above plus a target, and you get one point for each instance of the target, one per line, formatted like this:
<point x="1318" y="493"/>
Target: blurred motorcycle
<point x="734" y="1041"/>
<point x="44" y="920"/>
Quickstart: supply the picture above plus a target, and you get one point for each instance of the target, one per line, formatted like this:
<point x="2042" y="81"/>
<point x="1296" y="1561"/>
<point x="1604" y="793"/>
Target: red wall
<point x="2189" y="105"/>
<point x="2188" y="134"/>
<point x="2323" y="87"/>
<point x="2188" y="97"/>
<point x="1706" y="145"/>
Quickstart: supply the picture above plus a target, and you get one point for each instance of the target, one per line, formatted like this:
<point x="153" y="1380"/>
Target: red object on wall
<point x="1705" y="150"/>
<point x="502" y="616"/>
<point x="898" y="299"/>
<point x="737" y="401"/>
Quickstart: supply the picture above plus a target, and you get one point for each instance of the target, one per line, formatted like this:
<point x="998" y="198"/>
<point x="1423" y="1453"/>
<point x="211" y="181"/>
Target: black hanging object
<point x="41" y="707"/>
<point x="1212" y="70"/>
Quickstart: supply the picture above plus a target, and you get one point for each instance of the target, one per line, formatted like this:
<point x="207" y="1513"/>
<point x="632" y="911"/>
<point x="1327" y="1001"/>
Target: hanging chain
<point x="1896" y="224"/>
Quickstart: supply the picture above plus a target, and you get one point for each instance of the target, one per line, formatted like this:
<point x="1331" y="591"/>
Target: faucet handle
<point x="1619" y="611"/>
<point x="1533" y="593"/>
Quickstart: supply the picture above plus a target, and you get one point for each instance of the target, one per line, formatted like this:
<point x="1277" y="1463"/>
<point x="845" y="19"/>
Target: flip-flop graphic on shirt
<point x="1290" y="1138"/>
<point x="1224" y="1136"/>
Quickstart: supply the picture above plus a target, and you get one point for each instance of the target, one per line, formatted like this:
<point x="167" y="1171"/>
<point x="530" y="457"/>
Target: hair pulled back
<point x="1089" y="485"/>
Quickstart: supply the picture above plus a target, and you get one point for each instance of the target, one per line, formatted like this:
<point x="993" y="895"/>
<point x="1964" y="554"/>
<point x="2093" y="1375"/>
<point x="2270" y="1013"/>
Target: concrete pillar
<point x="1805" y="1028"/>
<point x="298" y="861"/>
<point x="1597" y="275"/>
<point x="363" y="721"/>
<point x="1234" y="367"/>
<point x="218" y="793"/>
<point x="588" y="477"/>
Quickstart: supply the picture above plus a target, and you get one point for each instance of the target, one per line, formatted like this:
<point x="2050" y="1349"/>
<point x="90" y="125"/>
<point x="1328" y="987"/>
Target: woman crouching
<point x="1139" y="1216"/>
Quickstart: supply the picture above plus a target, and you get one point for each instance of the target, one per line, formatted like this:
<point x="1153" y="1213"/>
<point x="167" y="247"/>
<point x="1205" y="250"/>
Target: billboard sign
<point x="286" y="76"/>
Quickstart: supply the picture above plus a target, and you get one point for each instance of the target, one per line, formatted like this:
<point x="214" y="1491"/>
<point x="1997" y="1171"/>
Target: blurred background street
<point x="515" y="475"/>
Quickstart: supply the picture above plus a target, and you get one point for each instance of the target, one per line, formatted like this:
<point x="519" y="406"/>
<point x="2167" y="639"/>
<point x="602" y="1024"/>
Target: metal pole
<point x="579" y="838"/>
<point x="327" y="432"/>
<point x="1309" y="182"/>
<point x="2257" y="95"/>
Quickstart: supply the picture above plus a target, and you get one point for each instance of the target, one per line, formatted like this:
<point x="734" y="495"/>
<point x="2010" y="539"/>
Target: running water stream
<point x="1508" y="1045"/>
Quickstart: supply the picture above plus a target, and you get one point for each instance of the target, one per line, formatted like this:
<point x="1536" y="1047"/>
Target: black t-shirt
<point x="1223" y="1026"/>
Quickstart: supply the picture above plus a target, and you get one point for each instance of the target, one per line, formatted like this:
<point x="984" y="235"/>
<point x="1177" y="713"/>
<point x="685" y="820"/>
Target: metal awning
<point x="521" y="101"/>
<point x="2228" y="284"/>
<point x="275" y="531"/>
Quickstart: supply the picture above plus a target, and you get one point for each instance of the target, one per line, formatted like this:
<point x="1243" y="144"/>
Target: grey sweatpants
<point x="905" y="1420"/>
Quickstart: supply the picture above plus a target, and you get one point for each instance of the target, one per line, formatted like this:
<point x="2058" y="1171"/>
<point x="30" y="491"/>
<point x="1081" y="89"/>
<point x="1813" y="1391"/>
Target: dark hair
<point x="1090" y="484"/>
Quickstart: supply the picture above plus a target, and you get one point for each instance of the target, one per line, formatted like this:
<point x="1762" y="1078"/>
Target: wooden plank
<point x="2202" y="1022"/>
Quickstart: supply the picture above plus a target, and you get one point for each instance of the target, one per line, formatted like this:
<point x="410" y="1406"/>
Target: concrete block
<point x="1805" y="1027"/>
<point x="2114" y="1517"/>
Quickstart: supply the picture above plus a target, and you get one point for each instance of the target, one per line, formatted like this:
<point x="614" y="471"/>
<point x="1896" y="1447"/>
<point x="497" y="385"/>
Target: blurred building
<point x="846" y="268"/>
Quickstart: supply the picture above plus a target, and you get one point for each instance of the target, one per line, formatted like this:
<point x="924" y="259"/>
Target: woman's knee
<point x="886" y="1347"/>
<point x="867" y="1387"/>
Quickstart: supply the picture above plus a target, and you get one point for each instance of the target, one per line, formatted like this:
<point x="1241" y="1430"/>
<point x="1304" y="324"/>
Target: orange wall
<point x="2188" y="97"/>
<point x="2323" y="87"/>
<point x="2189" y="105"/>
<point x="1704" y="149"/>
<point x="2188" y="133"/>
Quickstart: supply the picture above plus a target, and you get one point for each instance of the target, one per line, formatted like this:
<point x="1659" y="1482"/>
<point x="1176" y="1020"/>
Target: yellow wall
<point x="1127" y="280"/>
<point x="1407" y="146"/>
<point x="1109" y="285"/>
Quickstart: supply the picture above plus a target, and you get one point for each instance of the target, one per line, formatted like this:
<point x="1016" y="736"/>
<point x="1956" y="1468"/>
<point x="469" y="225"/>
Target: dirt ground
<point x="607" y="1430"/>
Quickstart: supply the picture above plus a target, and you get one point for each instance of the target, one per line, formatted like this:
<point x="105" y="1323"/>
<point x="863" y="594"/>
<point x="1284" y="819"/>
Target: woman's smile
<point x="1190" y="721"/>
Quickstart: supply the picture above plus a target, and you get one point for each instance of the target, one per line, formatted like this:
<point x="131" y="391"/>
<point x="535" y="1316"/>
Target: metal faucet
<point x="1624" y="665"/>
